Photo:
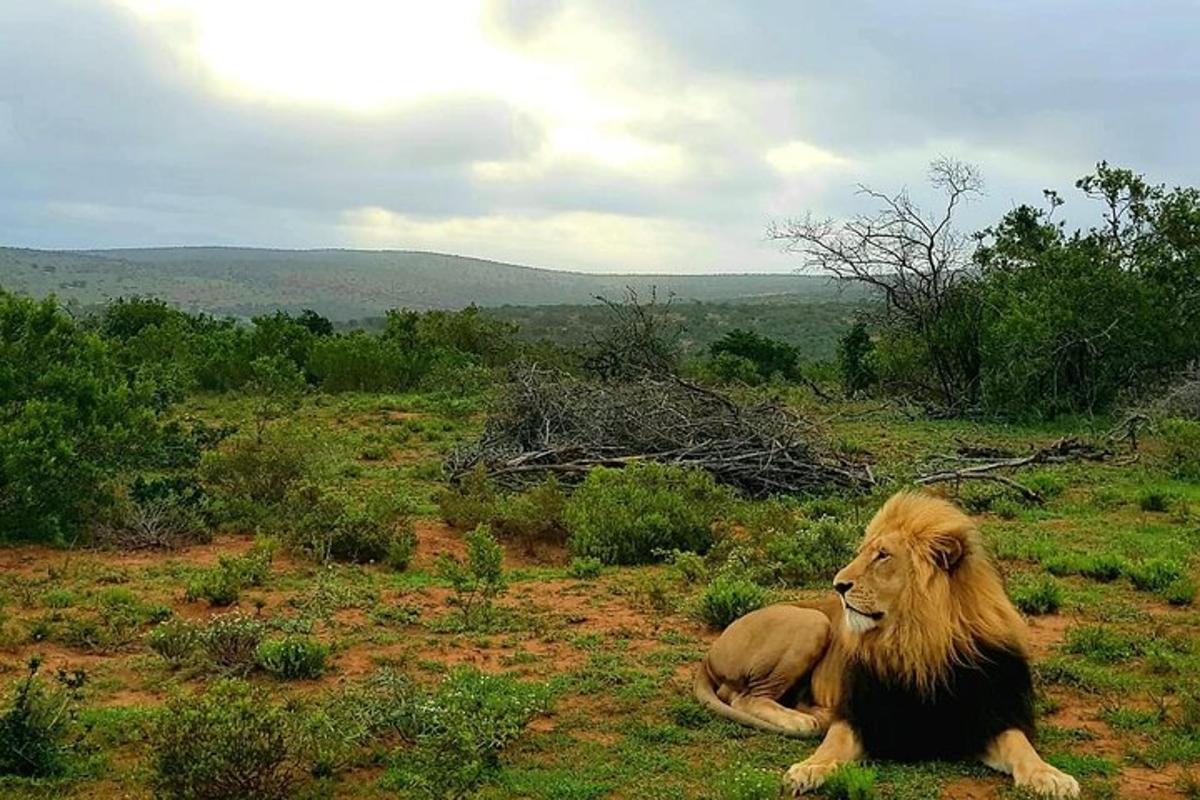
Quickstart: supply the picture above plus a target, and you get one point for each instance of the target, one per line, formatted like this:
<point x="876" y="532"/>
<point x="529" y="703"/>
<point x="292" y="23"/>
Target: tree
<point x="854" y="360"/>
<point x="921" y="266"/>
<point x="769" y="356"/>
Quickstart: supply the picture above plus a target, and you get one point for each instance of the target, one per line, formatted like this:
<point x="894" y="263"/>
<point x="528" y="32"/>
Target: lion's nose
<point x="843" y="586"/>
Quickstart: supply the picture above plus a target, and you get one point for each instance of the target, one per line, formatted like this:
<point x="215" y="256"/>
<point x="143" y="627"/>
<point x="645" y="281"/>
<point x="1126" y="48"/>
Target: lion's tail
<point x="702" y="687"/>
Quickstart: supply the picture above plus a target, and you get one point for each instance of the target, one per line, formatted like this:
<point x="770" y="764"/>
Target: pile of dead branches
<point x="551" y="423"/>
<point x="984" y="463"/>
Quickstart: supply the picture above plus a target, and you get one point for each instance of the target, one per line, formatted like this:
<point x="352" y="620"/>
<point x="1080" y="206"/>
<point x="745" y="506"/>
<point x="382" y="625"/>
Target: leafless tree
<point x="915" y="259"/>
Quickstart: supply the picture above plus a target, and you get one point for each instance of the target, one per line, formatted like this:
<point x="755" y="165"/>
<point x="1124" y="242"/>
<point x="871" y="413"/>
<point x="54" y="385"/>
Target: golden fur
<point x="952" y="599"/>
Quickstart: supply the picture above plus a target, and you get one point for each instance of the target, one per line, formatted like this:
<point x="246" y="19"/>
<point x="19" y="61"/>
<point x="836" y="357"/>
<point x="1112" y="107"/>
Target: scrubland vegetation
<point x="236" y="567"/>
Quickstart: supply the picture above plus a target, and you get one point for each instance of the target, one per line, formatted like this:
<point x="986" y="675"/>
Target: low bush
<point x="728" y="598"/>
<point x="478" y="580"/>
<point x="459" y="730"/>
<point x="1101" y="644"/>
<point x="584" y="569"/>
<point x="36" y="725"/>
<point x="532" y="517"/>
<point x="1181" y="447"/>
<point x="747" y="783"/>
<point x="222" y="585"/>
<point x="1180" y="592"/>
<point x="1103" y="567"/>
<point x="1036" y="596"/>
<point x="162" y="514"/>
<point x="637" y="514"/>
<point x="176" y="640"/>
<point x="330" y="525"/>
<point x="1154" y="574"/>
<point x="777" y="544"/>
<point x="249" y="478"/>
<point x="293" y="658"/>
<point x="230" y="643"/>
<point x="232" y="742"/>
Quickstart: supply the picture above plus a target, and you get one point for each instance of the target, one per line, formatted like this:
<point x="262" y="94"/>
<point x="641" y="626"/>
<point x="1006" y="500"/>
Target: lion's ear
<point x="947" y="552"/>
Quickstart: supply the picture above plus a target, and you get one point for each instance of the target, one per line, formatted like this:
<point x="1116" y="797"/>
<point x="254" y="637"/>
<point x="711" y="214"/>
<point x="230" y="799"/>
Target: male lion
<point x="923" y="657"/>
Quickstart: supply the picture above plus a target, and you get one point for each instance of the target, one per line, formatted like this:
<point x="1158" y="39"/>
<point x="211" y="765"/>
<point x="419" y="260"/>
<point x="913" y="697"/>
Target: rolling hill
<point x="353" y="284"/>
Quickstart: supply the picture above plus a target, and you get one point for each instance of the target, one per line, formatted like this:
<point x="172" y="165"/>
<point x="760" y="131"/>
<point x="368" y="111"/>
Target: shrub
<point x="71" y="419"/>
<point x="584" y="569"/>
<point x="472" y="502"/>
<point x="251" y="477"/>
<point x="851" y="782"/>
<point x="230" y="643"/>
<point x="531" y="517"/>
<point x="230" y="743"/>
<point x="358" y="362"/>
<point x="1154" y="574"/>
<point x="479" y="580"/>
<point x="293" y="658"/>
<point x="634" y="515"/>
<point x="1036" y="596"/>
<point x="156" y="514"/>
<point x="1154" y="500"/>
<point x="459" y="731"/>
<point x="728" y="598"/>
<point x="1102" y="567"/>
<point x="330" y="525"/>
<point x="222" y="585"/>
<point x="1181" y="447"/>
<point x="774" y="544"/>
<point x="35" y="725"/>
<point x="1180" y="592"/>
<point x="176" y="640"/>
<point x="747" y="783"/>
<point x="401" y="548"/>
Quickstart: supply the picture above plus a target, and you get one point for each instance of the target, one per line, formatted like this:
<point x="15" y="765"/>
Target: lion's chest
<point x="971" y="707"/>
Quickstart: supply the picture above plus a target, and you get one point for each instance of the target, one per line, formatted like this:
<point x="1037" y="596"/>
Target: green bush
<point x="176" y="640"/>
<point x="330" y="525"/>
<point x="358" y="362"/>
<point x="401" y="549"/>
<point x="233" y="742"/>
<point x="776" y="544"/>
<point x="35" y="725"/>
<point x="1154" y="574"/>
<point x="531" y="517"/>
<point x="478" y="580"/>
<point x="1180" y="592"/>
<point x="637" y="514"/>
<point x="1181" y="447"/>
<point x="747" y="783"/>
<point x="1101" y="644"/>
<point x="1103" y="567"/>
<point x="584" y="569"/>
<point x="460" y="730"/>
<point x="71" y="419"/>
<point x="222" y="585"/>
<point x="293" y="658"/>
<point x="1036" y="596"/>
<point x="729" y="597"/>
<point x="249" y="478"/>
<point x="230" y="643"/>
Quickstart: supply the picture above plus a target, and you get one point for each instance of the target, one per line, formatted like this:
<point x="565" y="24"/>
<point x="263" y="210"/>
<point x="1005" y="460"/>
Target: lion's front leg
<point x="840" y="746"/>
<point x="1012" y="753"/>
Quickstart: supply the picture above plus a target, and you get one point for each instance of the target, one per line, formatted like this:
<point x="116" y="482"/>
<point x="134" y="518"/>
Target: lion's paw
<point x="804" y="777"/>
<point x="1050" y="782"/>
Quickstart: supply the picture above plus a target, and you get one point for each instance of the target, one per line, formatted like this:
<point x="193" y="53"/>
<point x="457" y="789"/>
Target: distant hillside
<point x="353" y="284"/>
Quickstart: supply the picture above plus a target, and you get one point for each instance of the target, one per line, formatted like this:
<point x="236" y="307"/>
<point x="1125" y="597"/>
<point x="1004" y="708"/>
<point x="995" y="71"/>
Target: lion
<point x="920" y="655"/>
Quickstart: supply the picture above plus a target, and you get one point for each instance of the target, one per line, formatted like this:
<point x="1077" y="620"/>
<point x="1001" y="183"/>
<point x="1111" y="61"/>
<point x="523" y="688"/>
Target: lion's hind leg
<point x="762" y="656"/>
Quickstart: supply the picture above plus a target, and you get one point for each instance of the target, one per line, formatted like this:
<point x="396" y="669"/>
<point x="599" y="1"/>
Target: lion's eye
<point x="882" y="555"/>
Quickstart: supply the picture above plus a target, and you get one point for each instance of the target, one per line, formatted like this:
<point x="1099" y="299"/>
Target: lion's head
<point x="922" y="592"/>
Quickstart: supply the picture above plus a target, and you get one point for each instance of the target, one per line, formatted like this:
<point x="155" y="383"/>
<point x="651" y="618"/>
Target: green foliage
<point x="478" y="580"/>
<point x="1180" y="592"/>
<point x="855" y="360"/>
<point x="359" y="362"/>
<point x="328" y="524"/>
<point x="222" y="585"/>
<point x="727" y="598"/>
<point x="275" y="385"/>
<point x="585" y="568"/>
<point x="293" y="658"/>
<point x="778" y="543"/>
<point x="229" y="643"/>
<point x="176" y="640"/>
<point x="459" y="731"/>
<point x="1102" y="645"/>
<point x="768" y="357"/>
<point x="637" y="514"/>
<point x="249" y="479"/>
<point x="232" y="742"/>
<point x="1154" y="574"/>
<point x="851" y="782"/>
<point x="532" y="516"/>
<point x="1037" y="596"/>
<point x="70" y="419"/>
<point x="1181" y="447"/>
<point x="36" y="724"/>
<point x="747" y="783"/>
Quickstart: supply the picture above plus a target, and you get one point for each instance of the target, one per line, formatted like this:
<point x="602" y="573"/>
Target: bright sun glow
<point x="369" y="55"/>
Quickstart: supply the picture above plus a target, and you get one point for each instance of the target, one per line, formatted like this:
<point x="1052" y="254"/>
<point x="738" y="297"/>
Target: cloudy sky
<point x="606" y="135"/>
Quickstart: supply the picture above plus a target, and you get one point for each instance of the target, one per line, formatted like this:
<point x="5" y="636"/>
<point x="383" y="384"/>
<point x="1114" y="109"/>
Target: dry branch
<point x="1065" y="449"/>
<point x="549" y="422"/>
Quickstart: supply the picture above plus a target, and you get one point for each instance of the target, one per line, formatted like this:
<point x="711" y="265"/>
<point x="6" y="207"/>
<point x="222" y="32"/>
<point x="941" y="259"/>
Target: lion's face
<point x="899" y="555"/>
<point x="870" y="584"/>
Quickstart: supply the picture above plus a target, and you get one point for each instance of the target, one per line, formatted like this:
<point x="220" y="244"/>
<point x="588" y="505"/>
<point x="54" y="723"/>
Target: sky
<point x="599" y="135"/>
